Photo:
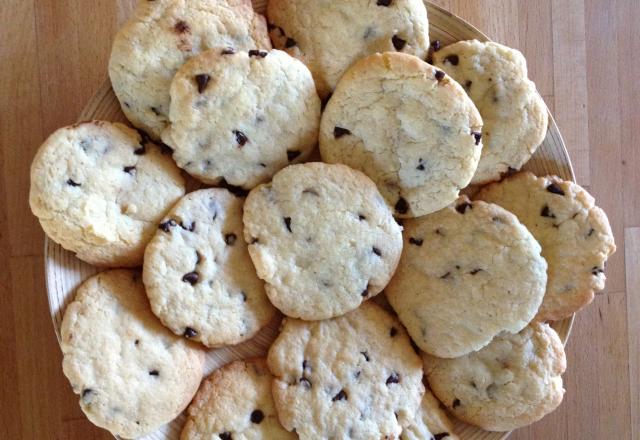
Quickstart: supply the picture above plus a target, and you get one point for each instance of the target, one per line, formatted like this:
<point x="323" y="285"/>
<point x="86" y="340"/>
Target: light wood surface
<point x="582" y="56"/>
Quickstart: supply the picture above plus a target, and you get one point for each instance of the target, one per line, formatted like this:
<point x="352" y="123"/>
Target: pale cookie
<point x="329" y="36"/>
<point x="242" y="116"/>
<point x="575" y="236"/>
<point x="354" y="377"/>
<point x="99" y="189"/>
<point x="513" y="382"/>
<point x="322" y="238"/>
<point x="515" y="116"/>
<point x="430" y="423"/>
<point x="467" y="273"/>
<point x="198" y="273"/>
<point x="406" y="125"/>
<point x="132" y="374"/>
<point x="235" y="403"/>
<point x="161" y="36"/>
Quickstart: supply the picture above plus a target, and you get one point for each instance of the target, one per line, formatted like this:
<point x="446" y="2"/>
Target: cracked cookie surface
<point x="99" y="188"/>
<point x="406" y="125"/>
<point x="242" y="116"/>
<point x="198" y="274"/>
<point x="467" y="273"/>
<point x="132" y="374"/>
<point x="161" y="36"/>
<point x="235" y="403"/>
<point x="574" y="233"/>
<point x="322" y="238"/>
<point x="514" y="114"/>
<point x="329" y="36"/>
<point x="355" y="376"/>
<point x="512" y="382"/>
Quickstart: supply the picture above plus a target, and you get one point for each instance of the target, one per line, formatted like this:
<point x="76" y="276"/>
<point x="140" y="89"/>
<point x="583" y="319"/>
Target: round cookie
<point x="131" y="373"/>
<point x="406" y="125"/>
<point x="467" y="273"/>
<point x="512" y="382"/>
<point x="515" y="116"/>
<point x="575" y="236"/>
<point x="329" y="36"/>
<point x="242" y="116"/>
<point x="430" y="423"/>
<point x="199" y="276"/>
<point x="99" y="189"/>
<point x="163" y="34"/>
<point x="235" y="403"/>
<point x="355" y="376"/>
<point x="322" y="238"/>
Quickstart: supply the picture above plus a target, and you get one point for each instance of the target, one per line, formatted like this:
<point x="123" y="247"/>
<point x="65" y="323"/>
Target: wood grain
<point x="54" y="56"/>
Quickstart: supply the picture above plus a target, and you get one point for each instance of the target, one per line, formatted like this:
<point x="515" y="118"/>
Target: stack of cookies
<point x="402" y="125"/>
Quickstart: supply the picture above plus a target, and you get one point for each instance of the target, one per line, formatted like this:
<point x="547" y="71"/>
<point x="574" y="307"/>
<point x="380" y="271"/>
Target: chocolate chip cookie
<point x="90" y="190"/>
<point x="512" y="382"/>
<point x="574" y="233"/>
<point x="242" y="116"/>
<point x="132" y="374"/>
<point x="322" y="238"/>
<point x="355" y="376"/>
<point x="161" y="36"/>
<point x="406" y="125"/>
<point x="329" y="36"/>
<point x="515" y="116"/>
<point x="198" y="273"/>
<point x="467" y="273"/>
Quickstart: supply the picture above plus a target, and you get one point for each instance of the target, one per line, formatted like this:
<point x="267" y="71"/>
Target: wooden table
<point x="583" y="55"/>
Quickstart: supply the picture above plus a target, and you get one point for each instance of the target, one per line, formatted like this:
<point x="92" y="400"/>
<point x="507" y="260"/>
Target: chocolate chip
<point x="546" y="212"/>
<point x="393" y="378"/>
<point x="439" y="75"/>
<point x="416" y="241"/>
<point x="590" y="233"/>
<point x="230" y="239"/>
<point x="257" y="53"/>
<point x="365" y="292"/>
<point x="398" y="42"/>
<point x="191" y="278"/>
<point x="140" y="151"/>
<point x="305" y="365"/>
<point x="338" y="132"/>
<point x="478" y="137"/>
<point x="225" y="436"/>
<point x="377" y="251"/>
<point x="189" y="333"/>
<point x="70" y="182"/>
<point x="393" y="332"/>
<point x="402" y="207"/>
<point x="439" y="232"/>
<point x="311" y="191"/>
<point x="287" y="222"/>
<point x="452" y="59"/>
<point x="190" y="228"/>
<point x="440" y="436"/>
<point x="182" y="27"/>
<point x="130" y="170"/>
<point x="555" y="189"/>
<point x="202" y="80"/>
<point x="228" y="51"/>
<point x="290" y="43"/>
<point x="366" y="356"/>
<point x="420" y="166"/>
<point x="462" y="207"/>
<point x="456" y="403"/>
<point x="384" y="2"/>
<point x="362" y="217"/>
<point x="86" y="392"/>
<point x="596" y="271"/>
<point x="436" y="45"/>
<point x="292" y="155"/>
<point x="166" y="226"/>
<point x="342" y="395"/>
<point x="154" y="373"/>
<point x="137" y="342"/>
<point x="467" y="85"/>
<point x="305" y="383"/>
<point x="257" y="416"/>
<point x="255" y="241"/>
<point x="244" y="296"/>
<point x="241" y="138"/>
<point x="445" y="276"/>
